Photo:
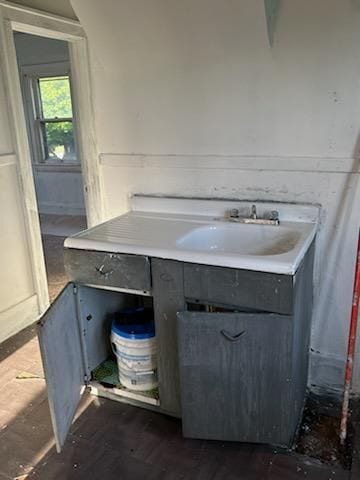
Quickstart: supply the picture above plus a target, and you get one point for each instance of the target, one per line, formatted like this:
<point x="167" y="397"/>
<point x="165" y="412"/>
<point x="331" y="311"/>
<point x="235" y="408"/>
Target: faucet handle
<point x="274" y="215"/>
<point x="234" y="213"/>
<point x="253" y="212"/>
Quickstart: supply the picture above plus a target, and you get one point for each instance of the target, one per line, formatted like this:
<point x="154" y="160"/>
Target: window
<point x="55" y="119"/>
<point x="52" y="129"/>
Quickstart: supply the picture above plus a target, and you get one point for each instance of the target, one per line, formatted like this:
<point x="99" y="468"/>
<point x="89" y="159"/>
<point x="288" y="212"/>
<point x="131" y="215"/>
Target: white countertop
<point x="162" y="227"/>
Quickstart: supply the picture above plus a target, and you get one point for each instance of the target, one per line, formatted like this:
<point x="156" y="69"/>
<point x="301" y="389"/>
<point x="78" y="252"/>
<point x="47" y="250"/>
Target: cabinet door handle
<point x="102" y="272"/>
<point x="232" y="338"/>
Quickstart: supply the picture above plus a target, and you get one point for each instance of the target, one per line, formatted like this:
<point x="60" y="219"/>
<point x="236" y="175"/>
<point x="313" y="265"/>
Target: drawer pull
<point x="232" y="338"/>
<point x="101" y="271"/>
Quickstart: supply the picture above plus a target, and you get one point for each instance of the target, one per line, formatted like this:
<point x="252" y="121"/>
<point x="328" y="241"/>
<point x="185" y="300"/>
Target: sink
<point x="197" y="231"/>
<point x="240" y="239"/>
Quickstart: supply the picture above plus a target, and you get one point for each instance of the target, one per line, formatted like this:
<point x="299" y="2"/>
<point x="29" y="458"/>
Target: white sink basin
<point x="241" y="239"/>
<point x="197" y="231"/>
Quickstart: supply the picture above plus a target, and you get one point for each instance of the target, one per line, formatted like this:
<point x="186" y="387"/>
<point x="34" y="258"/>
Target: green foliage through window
<point x="56" y="119"/>
<point x="55" y="97"/>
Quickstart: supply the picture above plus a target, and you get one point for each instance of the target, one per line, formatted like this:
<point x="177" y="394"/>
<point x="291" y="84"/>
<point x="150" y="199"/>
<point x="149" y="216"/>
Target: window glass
<point x="55" y="97"/>
<point x="59" y="141"/>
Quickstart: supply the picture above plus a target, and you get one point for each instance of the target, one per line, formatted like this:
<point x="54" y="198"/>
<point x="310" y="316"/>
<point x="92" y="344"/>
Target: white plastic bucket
<point x="135" y="349"/>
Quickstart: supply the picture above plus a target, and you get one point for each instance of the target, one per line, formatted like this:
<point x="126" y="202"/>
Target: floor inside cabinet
<point x="105" y="378"/>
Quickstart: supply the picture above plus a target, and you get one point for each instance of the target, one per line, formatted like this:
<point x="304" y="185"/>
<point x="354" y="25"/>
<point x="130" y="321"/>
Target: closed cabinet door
<point x="63" y="361"/>
<point x="235" y="376"/>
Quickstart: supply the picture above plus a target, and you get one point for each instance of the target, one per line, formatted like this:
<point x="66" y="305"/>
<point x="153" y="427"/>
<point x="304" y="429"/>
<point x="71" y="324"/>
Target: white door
<point x="22" y="296"/>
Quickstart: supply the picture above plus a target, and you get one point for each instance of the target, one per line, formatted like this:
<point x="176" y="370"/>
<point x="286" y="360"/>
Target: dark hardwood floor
<point x="110" y="440"/>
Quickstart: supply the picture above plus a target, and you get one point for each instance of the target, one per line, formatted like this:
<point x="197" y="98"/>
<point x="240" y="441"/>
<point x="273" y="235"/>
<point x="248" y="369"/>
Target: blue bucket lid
<point x="134" y="332"/>
<point x="134" y="315"/>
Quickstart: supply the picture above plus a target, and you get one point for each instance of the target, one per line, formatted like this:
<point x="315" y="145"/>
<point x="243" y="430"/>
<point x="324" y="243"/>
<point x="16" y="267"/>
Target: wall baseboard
<point x="56" y="209"/>
<point x="324" y="400"/>
<point x="18" y="317"/>
<point x="327" y="373"/>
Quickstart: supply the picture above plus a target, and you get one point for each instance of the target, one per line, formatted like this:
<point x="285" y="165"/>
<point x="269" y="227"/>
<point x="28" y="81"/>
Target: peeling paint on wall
<point x="211" y="111"/>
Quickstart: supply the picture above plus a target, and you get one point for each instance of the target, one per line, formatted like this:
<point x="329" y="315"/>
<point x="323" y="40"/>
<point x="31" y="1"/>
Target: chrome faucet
<point x="253" y="214"/>
<point x="271" y="219"/>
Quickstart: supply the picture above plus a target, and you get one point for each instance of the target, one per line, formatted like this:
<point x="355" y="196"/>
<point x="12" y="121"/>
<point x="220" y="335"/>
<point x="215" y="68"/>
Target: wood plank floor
<point x="110" y="440"/>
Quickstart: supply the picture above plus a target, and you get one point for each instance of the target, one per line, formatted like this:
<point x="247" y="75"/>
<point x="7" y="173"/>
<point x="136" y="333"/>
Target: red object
<point x="351" y="347"/>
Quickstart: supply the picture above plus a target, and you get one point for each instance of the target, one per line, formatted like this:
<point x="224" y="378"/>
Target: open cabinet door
<point x="61" y="351"/>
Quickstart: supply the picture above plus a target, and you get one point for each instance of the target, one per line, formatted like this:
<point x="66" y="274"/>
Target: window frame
<point x="30" y="75"/>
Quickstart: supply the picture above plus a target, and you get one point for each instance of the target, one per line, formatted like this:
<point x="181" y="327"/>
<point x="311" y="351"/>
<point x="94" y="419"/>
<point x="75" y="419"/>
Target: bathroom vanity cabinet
<point x="232" y="344"/>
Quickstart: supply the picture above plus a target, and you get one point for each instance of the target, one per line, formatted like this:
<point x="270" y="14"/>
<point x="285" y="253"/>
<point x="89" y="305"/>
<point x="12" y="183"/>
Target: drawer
<point x="130" y="272"/>
<point x="263" y="291"/>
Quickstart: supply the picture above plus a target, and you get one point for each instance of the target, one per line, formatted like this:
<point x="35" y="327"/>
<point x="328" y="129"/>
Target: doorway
<point x="25" y="296"/>
<point x="46" y="85"/>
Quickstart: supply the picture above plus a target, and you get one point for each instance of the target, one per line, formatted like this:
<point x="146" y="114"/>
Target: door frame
<point x="27" y="20"/>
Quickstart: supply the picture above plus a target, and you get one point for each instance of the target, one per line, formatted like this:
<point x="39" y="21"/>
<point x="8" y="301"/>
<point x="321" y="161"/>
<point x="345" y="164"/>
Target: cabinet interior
<point x="97" y="308"/>
<point x="195" y="305"/>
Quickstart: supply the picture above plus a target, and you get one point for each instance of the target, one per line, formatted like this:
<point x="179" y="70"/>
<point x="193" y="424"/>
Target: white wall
<point x="59" y="192"/>
<point x="190" y="100"/>
<point x="59" y="189"/>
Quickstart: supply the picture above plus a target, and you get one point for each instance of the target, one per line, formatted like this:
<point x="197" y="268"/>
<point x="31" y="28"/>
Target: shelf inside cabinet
<point x="105" y="381"/>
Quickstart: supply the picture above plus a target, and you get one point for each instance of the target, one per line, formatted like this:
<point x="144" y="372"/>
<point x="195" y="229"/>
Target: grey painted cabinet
<point x="106" y="269"/>
<point x="270" y="292"/>
<point x="235" y="371"/>
<point x="168" y="292"/>
<point x="243" y="375"/>
<point x="74" y="339"/>
<point x="232" y="344"/>
<point x="63" y="361"/>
